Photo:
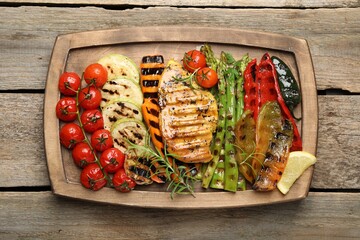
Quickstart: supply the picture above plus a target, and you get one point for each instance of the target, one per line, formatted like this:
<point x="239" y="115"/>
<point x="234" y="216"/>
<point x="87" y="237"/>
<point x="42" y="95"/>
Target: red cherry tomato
<point x="193" y="60"/>
<point x="89" y="97"/>
<point x="82" y="155"/>
<point x="96" y="74"/>
<point x="66" y="109"/>
<point x="69" y="83"/>
<point x="207" y="77"/>
<point x="101" y="140"/>
<point x="71" y="134"/>
<point x="122" y="182"/>
<point x="112" y="160"/>
<point x="92" y="120"/>
<point x="92" y="177"/>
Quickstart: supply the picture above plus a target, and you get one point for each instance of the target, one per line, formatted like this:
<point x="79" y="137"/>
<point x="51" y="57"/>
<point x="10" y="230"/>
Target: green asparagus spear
<point x="211" y="60"/>
<point x="231" y="170"/>
<point x="220" y="132"/>
<point x="240" y="66"/>
<point x="218" y="178"/>
<point x="213" y="63"/>
<point x="222" y="170"/>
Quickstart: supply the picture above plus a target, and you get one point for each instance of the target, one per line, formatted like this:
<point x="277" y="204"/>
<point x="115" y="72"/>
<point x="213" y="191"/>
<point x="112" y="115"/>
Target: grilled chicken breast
<point x="188" y="116"/>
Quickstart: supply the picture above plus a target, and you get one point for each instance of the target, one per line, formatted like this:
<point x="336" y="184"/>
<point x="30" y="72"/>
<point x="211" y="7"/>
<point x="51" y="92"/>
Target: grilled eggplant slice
<point x="121" y="88"/>
<point x="118" y="109"/>
<point x="120" y="66"/>
<point x="138" y="169"/>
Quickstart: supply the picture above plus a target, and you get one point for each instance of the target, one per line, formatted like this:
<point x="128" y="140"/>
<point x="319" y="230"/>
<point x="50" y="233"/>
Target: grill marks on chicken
<point x="188" y="116"/>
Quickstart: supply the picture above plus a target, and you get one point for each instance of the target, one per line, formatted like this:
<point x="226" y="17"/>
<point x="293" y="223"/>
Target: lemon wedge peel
<point x="297" y="164"/>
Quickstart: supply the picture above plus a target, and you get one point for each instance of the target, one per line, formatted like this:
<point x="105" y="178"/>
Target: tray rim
<point x="66" y="42"/>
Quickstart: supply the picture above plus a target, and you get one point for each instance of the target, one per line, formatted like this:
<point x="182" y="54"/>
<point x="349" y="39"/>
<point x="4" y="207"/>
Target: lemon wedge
<point x="298" y="162"/>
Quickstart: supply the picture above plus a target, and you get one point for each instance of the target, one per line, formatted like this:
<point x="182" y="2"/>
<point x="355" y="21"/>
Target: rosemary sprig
<point x="180" y="181"/>
<point x="189" y="80"/>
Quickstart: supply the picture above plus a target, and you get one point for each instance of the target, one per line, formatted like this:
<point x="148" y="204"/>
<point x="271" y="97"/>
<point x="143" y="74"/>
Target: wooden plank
<point x="332" y="34"/>
<point x="41" y="215"/>
<point x="21" y="141"/>
<point x="202" y="3"/>
<point x="22" y="145"/>
<point x="338" y="139"/>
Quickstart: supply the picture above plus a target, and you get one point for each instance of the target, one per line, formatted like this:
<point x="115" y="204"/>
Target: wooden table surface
<point x="29" y="210"/>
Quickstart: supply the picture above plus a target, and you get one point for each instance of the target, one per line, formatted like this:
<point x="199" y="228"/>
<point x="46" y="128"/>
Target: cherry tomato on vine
<point x="123" y="182"/>
<point x="92" y="177"/>
<point x="92" y="120"/>
<point x="101" y="140"/>
<point x="207" y="77"/>
<point x="96" y="74"/>
<point x="82" y="155"/>
<point x="69" y="83"/>
<point x="70" y="135"/>
<point x="112" y="160"/>
<point x="193" y="60"/>
<point x="89" y="97"/>
<point x="66" y="109"/>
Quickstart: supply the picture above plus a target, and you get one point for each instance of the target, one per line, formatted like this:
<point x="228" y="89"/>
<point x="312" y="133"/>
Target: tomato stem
<point x="86" y="139"/>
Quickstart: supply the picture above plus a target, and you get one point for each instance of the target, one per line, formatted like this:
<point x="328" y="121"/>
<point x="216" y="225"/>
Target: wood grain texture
<point x="41" y="215"/>
<point x="338" y="139"/>
<point x="22" y="145"/>
<point x="202" y="3"/>
<point x="28" y="33"/>
<point x="22" y="154"/>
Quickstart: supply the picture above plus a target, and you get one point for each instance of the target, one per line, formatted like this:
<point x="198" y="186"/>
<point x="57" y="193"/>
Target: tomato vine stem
<point x="87" y="141"/>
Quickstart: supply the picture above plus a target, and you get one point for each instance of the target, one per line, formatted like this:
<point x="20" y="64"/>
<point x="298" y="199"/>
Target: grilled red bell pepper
<point x="260" y="86"/>
<point x="265" y="80"/>
<point x="297" y="143"/>
<point x="250" y="88"/>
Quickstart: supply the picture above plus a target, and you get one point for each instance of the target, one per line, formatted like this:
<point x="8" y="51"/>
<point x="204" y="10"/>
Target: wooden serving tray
<point x="73" y="52"/>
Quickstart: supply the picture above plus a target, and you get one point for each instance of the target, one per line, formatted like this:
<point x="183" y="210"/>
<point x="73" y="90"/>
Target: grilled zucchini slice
<point x="121" y="88"/>
<point x="120" y="108"/>
<point x="120" y="66"/>
<point x="129" y="129"/>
